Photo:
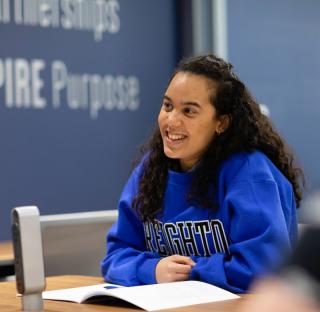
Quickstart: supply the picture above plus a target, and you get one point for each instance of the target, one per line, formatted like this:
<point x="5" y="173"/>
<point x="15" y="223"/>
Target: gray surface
<point x="75" y="243"/>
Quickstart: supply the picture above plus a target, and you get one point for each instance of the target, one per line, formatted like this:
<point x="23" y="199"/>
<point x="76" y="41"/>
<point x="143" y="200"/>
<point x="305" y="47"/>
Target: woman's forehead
<point x="189" y="84"/>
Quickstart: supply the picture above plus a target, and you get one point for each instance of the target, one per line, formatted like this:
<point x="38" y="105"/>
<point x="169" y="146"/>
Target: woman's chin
<point x="171" y="154"/>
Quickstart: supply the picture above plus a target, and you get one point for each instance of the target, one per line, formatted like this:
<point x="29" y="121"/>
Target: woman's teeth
<point x="172" y="136"/>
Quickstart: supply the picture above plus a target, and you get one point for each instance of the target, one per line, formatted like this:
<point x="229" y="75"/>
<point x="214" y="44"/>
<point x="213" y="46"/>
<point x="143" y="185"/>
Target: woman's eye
<point x="189" y="111"/>
<point x="167" y="106"/>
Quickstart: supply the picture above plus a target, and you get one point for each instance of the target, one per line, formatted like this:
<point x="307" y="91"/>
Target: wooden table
<point x="6" y="253"/>
<point x="10" y="303"/>
<point x="6" y="259"/>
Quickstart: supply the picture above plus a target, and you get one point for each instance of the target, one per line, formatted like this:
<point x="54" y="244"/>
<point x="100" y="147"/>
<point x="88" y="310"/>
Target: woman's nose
<point x="174" y="119"/>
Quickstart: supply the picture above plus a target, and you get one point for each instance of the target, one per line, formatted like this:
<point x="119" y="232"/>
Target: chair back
<point x="74" y="243"/>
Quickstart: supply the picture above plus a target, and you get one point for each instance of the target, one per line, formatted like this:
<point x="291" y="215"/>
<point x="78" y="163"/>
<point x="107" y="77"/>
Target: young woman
<point x="214" y="197"/>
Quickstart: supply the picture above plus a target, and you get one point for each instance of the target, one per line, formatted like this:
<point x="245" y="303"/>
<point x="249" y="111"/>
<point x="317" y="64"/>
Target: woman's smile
<point x="174" y="139"/>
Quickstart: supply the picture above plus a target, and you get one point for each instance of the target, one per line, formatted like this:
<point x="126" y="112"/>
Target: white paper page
<point x="172" y="295"/>
<point x="77" y="294"/>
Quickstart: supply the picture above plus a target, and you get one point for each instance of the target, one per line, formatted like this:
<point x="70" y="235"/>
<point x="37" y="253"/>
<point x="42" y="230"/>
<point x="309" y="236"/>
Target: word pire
<point x="23" y="85"/>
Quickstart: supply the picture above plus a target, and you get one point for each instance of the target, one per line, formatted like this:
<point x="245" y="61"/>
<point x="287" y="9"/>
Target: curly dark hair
<point x="249" y="130"/>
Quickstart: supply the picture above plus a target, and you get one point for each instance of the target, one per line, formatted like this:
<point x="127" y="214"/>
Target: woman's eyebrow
<point x="167" y="98"/>
<point x="192" y="103"/>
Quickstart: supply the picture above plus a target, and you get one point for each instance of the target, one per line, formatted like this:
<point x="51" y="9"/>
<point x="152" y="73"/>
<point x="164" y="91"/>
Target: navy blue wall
<point x="275" y="47"/>
<point x="58" y="150"/>
<point x="68" y="155"/>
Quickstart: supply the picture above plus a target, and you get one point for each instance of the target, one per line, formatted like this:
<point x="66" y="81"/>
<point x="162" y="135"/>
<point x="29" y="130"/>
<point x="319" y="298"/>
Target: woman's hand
<point x="173" y="268"/>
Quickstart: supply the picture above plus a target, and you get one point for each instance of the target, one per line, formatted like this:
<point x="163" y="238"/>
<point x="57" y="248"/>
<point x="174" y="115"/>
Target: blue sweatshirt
<point x="255" y="224"/>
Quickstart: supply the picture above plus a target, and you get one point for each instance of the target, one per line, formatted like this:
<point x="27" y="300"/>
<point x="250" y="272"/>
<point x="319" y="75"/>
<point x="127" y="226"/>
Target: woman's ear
<point x="224" y="123"/>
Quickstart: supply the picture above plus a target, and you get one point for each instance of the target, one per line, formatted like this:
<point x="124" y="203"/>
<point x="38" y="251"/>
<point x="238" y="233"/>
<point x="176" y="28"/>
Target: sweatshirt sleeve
<point x="258" y="235"/>
<point x="127" y="262"/>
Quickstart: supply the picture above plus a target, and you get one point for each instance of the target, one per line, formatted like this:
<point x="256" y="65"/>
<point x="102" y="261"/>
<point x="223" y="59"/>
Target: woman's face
<point x="187" y="120"/>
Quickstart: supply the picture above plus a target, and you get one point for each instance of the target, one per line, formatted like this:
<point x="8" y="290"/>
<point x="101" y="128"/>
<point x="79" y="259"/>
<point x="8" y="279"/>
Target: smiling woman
<point x="188" y="121"/>
<point x="214" y="196"/>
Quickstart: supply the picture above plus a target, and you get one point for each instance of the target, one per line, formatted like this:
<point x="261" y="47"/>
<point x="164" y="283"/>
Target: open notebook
<point x="148" y="297"/>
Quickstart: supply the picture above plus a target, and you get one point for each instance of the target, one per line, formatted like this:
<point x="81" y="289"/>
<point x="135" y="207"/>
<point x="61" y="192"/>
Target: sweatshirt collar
<point x="182" y="178"/>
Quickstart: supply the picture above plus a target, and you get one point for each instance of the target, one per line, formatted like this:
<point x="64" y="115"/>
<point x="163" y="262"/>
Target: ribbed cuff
<point x="147" y="271"/>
